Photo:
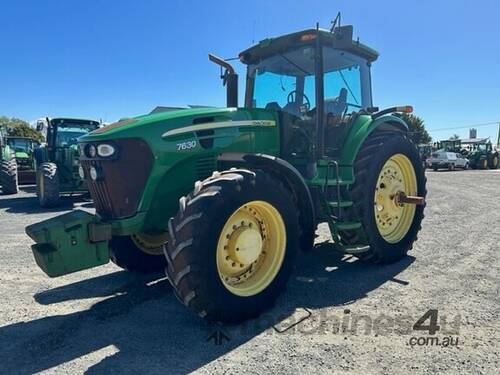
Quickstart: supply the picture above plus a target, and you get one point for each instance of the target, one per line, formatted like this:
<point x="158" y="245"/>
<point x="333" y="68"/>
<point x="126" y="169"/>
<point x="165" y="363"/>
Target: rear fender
<point x="362" y="129"/>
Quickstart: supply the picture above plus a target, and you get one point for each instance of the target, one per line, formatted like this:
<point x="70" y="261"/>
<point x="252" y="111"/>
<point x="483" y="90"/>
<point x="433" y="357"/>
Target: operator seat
<point x="334" y="111"/>
<point x="273" y="106"/>
<point x="336" y="106"/>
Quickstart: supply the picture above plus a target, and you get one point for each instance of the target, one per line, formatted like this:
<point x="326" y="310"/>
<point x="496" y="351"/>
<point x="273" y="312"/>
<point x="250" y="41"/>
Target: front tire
<point x="8" y="177"/>
<point x="388" y="163"/>
<point x="139" y="253"/>
<point x="234" y="243"/>
<point x="47" y="185"/>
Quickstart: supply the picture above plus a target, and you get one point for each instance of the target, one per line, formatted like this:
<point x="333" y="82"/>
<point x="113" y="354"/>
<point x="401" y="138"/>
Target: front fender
<point x="362" y="128"/>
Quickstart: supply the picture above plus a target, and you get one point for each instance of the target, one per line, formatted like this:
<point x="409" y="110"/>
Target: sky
<point x="108" y="59"/>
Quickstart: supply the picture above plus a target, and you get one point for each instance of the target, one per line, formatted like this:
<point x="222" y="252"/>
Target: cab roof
<point x="340" y="39"/>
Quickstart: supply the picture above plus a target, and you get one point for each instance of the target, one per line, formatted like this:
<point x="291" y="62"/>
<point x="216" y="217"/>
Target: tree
<point x="417" y="128"/>
<point x="454" y="137"/>
<point x="20" y="128"/>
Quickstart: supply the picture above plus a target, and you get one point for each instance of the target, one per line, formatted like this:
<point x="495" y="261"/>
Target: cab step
<point x="348" y="225"/>
<point x="331" y="182"/>
<point x="343" y="204"/>
<point x="360" y="249"/>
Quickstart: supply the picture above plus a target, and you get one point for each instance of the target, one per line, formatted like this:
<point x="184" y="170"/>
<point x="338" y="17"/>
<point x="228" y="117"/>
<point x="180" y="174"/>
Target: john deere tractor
<point x="8" y="167"/>
<point x="24" y="148"/>
<point x="481" y="154"/>
<point x="224" y="199"/>
<point x="58" y="162"/>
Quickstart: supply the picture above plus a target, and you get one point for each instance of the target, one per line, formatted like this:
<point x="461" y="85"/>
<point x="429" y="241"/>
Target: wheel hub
<point x="251" y="248"/>
<point x="395" y="186"/>
<point x="245" y="245"/>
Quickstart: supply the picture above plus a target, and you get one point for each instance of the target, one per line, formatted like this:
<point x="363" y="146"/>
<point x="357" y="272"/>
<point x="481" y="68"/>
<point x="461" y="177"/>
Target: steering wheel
<point x="290" y="99"/>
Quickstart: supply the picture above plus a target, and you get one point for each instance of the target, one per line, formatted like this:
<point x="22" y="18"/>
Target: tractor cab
<point x="64" y="133"/>
<point x="58" y="162"/>
<point x="315" y="80"/>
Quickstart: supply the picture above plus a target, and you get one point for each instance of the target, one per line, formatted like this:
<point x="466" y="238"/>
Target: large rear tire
<point x="139" y="253"/>
<point x="8" y="177"/>
<point x="494" y="162"/>
<point x="388" y="163"/>
<point x="233" y="245"/>
<point x="47" y="185"/>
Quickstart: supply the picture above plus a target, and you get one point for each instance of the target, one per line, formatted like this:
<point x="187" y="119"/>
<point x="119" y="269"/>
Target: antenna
<point x="253" y="32"/>
<point x="334" y="22"/>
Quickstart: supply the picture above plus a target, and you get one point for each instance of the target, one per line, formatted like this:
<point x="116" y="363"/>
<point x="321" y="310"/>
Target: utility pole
<point x="498" y="137"/>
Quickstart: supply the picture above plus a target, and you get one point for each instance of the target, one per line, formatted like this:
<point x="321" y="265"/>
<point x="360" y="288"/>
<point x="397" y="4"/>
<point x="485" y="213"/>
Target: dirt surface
<point x="357" y="317"/>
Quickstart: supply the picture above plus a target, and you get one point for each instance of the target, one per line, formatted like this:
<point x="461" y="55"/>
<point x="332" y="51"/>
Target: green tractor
<point x="8" y="168"/>
<point x="449" y="145"/>
<point x="225" y="198"/>
<point x="24" y="148"/>
<point x="58" y="161"/>
<point x="480" y="153"/>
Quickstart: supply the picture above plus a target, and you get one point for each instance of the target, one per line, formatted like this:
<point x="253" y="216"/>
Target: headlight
<point x="81" y="172"/>
<point x="92" y="151"/>
<point x="93" y="173"/>
<point x="104" y="150"/>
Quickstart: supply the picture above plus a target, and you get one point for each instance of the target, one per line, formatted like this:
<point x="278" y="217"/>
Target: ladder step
<point x="354" y="249"/>
<point x="348" y="225"/>
<point x="335" y="204"/>
<point x="331" y="182"/>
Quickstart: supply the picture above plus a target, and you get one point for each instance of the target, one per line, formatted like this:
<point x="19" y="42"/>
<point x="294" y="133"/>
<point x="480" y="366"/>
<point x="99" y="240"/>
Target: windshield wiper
<point x="348" y="87"/>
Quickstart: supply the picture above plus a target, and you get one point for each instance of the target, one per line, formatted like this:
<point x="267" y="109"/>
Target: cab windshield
<point x="286" y="82"/>
<point x="69" y="136"/>
<point x="20" y="144"/>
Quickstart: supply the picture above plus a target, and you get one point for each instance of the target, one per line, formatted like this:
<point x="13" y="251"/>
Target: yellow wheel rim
<point x="251" y="248"/>
<point x="495" y="162"/>
<point x="393" y="218"/>
<point x="150" y="244"/>
<point x="485" y="164"/>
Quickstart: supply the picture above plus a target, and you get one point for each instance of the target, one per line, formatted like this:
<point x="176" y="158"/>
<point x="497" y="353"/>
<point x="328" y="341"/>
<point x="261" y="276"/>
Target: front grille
<point x="118" y="193"/>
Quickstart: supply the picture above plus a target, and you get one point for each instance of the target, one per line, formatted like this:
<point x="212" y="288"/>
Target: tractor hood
<point x="22" y="155"/>
<point x="160" y="123"/>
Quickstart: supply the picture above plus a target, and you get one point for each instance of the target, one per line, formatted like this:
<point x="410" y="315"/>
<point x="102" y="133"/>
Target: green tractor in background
<point x="448" y="145"/>
<point x="480" y="153"/>
<point x="8" y="167"/>
<point x="24" y="148"/>
<point x="223" y="199"/>
<point x="58" y="161"/>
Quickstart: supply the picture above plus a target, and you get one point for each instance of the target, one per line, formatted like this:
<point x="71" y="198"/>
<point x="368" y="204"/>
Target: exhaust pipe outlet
<point x="229" y="79"/>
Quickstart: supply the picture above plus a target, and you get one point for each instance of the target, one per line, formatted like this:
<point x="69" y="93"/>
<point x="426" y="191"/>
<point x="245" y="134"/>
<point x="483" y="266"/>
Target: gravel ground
<point x="338" y="314"/>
